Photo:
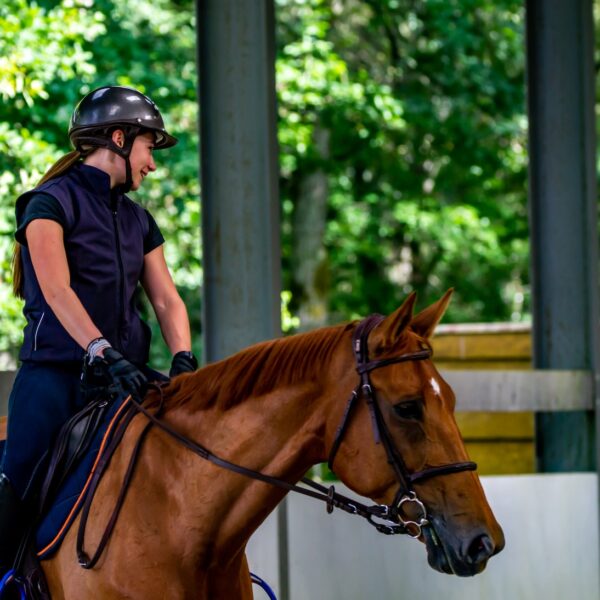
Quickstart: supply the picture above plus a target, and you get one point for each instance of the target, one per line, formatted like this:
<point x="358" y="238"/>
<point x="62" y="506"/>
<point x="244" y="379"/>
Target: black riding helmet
<point x="102" y="111"/>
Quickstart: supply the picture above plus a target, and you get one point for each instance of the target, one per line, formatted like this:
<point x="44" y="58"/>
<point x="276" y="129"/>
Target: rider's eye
<point x="410" y="409"/>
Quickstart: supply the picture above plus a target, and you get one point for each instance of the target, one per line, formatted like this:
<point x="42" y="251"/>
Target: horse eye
<point x="410" y="409"/>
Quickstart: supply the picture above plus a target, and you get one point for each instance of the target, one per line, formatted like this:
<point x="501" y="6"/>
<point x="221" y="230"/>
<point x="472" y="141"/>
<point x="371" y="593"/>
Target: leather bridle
<point x="405" y="495"/>
<point x="388" y="519"/>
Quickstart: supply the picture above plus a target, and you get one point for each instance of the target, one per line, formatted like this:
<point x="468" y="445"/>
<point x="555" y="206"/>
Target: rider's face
<point x="141" y="159"/>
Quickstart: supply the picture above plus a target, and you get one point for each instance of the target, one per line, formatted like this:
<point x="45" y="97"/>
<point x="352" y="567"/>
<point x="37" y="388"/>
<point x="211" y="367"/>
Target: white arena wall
<point x="552" y="549"/>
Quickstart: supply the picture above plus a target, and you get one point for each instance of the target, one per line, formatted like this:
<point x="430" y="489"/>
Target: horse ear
<point x="426" y="321"/>
<point x="387" y="333"/>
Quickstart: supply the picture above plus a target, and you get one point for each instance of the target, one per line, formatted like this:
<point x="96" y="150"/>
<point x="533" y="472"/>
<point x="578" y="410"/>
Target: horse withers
<point x="278" y="408"/>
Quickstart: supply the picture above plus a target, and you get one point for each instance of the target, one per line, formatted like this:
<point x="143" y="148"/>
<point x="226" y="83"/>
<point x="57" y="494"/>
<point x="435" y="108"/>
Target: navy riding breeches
<point x="44" y="396"/>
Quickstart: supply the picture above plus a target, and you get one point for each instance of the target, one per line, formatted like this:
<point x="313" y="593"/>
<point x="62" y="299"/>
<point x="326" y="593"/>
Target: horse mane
<point x="259" y="369"/>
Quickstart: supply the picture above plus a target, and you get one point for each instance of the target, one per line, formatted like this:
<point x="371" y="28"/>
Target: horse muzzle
<point x="464" y="555"/>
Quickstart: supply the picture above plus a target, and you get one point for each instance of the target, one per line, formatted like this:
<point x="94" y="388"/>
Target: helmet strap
<point x="125" y="187"/>
<point x="131" y="132"/>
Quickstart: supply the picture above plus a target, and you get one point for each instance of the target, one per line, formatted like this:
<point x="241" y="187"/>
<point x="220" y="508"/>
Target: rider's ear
<point x="118" y="137"/>
<point x="388" y="332"/>
<point x="426" y="321"/>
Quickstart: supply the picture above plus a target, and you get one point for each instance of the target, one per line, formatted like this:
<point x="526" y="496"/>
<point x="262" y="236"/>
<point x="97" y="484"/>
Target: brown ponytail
<point x="58" y="168"/>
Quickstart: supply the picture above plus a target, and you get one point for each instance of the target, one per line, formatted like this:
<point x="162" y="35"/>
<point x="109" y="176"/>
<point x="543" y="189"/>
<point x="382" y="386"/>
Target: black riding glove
<point x="183" y="362"/>
<point x="124" y="377"/>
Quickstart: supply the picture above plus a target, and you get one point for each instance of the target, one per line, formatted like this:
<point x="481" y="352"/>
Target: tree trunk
<point x="310" y="263"/>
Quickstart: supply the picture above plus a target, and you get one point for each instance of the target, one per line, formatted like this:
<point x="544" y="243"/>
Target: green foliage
<point x="26" y="74"/>
<point x="423" y="103"/>
<point x="425" y="107"/>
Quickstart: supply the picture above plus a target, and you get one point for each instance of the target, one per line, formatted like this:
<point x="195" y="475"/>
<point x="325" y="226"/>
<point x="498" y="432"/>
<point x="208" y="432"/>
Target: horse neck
<point x="281" y="432"/>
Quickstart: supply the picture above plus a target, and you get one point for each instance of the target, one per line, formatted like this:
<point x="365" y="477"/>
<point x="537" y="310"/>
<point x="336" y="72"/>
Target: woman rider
<point x="82" y="247"/>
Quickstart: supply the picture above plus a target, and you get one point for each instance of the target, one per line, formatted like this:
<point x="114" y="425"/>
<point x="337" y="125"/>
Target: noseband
<point x="388" y="519"/>
<point x="406" y="495"/>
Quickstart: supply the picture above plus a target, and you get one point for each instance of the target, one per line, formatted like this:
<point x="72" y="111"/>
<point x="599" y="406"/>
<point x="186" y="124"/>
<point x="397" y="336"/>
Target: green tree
<point x="423" y="104"/>
<point x="27" y="145"/>
<point x="402" y="143"/>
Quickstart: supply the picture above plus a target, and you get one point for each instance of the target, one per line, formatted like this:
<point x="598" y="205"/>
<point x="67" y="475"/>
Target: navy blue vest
<point x="104" y="240"/>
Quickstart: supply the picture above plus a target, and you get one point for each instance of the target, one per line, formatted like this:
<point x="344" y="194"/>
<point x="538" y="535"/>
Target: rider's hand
<point x="124" y="377"/>
<point x="183" y="362"/>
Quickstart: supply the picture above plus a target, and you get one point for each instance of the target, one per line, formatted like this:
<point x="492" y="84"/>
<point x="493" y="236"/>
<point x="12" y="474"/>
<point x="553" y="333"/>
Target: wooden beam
<point x="509" y="391"/>
<point x="495" y="391"/>
<point x="563" y="215"/>
<point x="240" y="197"/>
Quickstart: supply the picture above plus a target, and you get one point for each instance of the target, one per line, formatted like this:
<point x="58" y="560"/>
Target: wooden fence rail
<point x="518" y="391"/>
<point x="480" y="390"/>
<point x="495" y="410"/>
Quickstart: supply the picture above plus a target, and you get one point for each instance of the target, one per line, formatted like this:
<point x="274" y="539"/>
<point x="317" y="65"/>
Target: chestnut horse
<point x="275" y="408"/>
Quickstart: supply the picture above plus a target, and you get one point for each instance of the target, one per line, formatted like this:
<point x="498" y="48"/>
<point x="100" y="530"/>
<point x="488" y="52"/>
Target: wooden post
<point x="240" y="200"/>
<point x="560" y="58"/>
<point x="240" y="204"/>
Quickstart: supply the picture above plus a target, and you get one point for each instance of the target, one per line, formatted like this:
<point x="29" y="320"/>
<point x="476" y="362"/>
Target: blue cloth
<point x="104" y="244"/>
<point x="44" y="396"/>
<point x="67" y="495"/>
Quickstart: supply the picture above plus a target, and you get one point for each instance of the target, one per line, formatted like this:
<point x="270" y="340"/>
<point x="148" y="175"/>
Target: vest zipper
<point x="36" y="332"/>
<point x="121" y="292"/>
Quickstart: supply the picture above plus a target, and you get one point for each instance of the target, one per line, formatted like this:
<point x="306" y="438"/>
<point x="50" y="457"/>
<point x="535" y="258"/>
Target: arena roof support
<point x="563" y="213"/>
<point x="239" y="166"/>
<point x="240" y="204"/>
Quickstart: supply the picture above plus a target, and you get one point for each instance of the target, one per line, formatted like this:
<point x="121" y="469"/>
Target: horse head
<point x="414" y="461"/>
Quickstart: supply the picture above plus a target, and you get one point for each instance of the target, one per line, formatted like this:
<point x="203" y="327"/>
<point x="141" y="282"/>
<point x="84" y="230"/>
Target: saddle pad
<point x="69" y="499"/>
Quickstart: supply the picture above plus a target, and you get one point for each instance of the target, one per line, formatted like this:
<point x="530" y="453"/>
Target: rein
<point x="390" y="519"/>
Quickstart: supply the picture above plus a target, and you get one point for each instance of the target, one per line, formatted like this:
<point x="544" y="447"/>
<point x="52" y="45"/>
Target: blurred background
<point x="402" y="134"/>
<point x="403" y="165"/>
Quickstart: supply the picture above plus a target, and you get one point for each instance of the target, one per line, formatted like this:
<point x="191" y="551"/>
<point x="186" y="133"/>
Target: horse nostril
<point x="480" y="549"/>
